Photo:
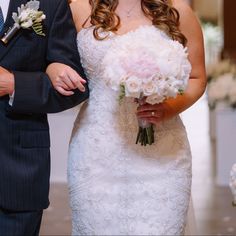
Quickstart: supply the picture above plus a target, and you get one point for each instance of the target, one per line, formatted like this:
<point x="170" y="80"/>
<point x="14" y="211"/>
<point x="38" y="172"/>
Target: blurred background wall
<point x="209" y="10"/>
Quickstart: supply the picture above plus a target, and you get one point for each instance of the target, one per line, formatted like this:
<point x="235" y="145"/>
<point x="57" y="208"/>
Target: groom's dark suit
<point x="24" y="131"/>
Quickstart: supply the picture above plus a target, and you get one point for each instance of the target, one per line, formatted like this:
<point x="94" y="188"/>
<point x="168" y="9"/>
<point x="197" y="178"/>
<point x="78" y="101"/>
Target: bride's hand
<point x="154" y="114"/>
<point x="65" y="79"/>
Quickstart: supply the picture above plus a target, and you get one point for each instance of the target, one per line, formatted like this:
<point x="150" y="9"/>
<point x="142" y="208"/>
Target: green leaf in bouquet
<point x="181" y="91"/>
<point x="145" y="136"/>
<point x="122" y="93"/>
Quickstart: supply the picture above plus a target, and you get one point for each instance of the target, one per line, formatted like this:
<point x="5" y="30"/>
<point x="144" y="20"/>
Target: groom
<point x="24" y="131"/>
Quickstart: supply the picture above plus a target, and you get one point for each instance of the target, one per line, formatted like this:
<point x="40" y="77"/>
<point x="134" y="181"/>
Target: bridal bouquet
<point x="149" y="67"/>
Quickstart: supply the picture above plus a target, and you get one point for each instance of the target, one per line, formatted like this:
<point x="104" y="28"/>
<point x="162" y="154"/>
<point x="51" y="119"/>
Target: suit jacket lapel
<point x="13" y="5"/>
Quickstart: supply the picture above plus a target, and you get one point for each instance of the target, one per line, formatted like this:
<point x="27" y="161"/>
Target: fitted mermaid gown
<point x="117" y="187"/>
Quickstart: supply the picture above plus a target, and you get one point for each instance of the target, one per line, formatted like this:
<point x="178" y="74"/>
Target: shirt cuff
<point x="11" y="98"/>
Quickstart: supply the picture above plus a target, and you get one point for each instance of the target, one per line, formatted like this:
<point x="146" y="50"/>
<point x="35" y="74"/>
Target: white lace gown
<point x="117" y="187"/>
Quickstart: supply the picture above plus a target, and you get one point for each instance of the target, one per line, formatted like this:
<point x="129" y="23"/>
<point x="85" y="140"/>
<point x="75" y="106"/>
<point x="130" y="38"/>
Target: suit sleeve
<point x="34" y="92"/>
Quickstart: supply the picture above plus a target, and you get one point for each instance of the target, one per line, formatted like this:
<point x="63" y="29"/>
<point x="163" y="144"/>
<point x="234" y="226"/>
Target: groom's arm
<point x="34" y="92"/>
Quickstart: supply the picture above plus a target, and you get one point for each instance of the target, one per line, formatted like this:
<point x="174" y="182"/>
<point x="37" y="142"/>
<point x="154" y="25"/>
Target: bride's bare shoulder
<point x="185" y="11"/>
<point x="81" y="10"/>
<point x="182" y="6"/>
<point x="189" y="23"/>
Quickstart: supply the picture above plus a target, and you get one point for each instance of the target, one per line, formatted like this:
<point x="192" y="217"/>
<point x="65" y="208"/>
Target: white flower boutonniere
<point x="28" y="17"/>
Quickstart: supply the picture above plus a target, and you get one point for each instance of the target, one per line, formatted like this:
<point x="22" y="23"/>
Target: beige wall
<point x="207" y="9"/>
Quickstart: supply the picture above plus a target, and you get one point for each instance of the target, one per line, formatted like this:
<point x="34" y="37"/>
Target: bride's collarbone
<point x="131" y="25"/>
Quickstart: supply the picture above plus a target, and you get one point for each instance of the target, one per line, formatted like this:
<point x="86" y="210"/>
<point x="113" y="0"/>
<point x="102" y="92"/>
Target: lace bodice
<point x="102" y="98"/>
<point x="118" y="187"/>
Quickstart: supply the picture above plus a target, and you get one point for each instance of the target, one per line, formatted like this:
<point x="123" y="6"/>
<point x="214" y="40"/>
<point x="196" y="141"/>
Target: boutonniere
<point x="28" y="17"/>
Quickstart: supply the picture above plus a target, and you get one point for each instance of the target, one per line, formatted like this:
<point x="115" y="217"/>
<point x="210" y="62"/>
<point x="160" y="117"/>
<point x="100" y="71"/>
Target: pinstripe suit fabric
<point x="24" y="131"/>
<point x="20" y="223"/>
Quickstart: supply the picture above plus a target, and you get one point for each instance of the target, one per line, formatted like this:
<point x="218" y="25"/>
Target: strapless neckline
<point x="110" y="33"/>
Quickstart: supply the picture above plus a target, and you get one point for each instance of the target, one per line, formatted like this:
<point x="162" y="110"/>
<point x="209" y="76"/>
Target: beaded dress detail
<point x="117" y="187"/>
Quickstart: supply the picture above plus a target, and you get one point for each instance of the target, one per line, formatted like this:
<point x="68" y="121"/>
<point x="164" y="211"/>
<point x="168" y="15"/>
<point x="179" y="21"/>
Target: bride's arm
<point x="190" y="27"/>
<point x="63" y="77"/>
<point x="81" y="11"/>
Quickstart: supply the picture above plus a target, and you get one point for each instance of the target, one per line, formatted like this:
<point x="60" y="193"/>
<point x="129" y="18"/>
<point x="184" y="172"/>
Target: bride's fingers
<point x="75" y="77"/>
<point x="153" y="120"/>
<point x="66" y="80"/>
<point x="60" y="83"/>
<point x="150" y="114"/>
<point x="148" y="107"/>
<point x="64" y="91"/>
<point x="79" y="83"/>
<point x="76" y="80"/>
<point x="63" y="88"/>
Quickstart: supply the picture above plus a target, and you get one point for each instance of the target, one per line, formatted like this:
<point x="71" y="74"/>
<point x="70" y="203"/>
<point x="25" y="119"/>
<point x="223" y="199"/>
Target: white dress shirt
<point x="4" y="5"/>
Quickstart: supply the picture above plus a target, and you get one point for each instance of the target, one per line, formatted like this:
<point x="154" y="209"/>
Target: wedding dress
<point x="116" y="186"/>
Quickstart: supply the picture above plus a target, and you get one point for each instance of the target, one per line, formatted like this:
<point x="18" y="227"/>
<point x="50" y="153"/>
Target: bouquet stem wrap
<point x="146" y="131"/>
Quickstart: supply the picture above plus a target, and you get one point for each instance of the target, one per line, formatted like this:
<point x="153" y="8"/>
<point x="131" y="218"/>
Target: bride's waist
<point x="119" y="118"/>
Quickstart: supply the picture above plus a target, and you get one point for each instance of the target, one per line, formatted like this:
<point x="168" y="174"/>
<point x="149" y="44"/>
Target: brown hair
<point x="161" y="12"/>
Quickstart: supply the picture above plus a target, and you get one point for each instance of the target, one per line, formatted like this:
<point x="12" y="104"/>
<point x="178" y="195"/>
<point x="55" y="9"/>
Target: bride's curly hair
<point x="161" y="12"/>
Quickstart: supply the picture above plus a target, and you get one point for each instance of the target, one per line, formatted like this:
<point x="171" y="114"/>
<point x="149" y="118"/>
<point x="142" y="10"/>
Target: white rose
<point x="133" y="87"/>
<point x="161" y="86"/>
<point x="27" y="24"/>
<point x="155" y="99"/>
<point x="185" y="70"/>
<point x="171" y="91"/>
<point x="174" y="69"/>
<point x="149" y="87"/>
<point x="164" y="52"/>
<point x="25" y="15"/>
<point x="163" y="66"/>
<point x="113" y="78"/>
<point x="33" y="5"/>
<point x="177" y="85"/>
<point x="114" y="85"/>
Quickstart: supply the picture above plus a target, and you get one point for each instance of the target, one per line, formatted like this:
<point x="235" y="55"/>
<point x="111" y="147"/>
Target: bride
<point x="117" y="187"/>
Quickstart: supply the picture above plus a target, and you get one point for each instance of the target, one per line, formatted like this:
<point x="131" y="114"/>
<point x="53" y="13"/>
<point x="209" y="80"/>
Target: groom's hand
<point x="65" y="79"/>
<point x="7" y="82"/>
